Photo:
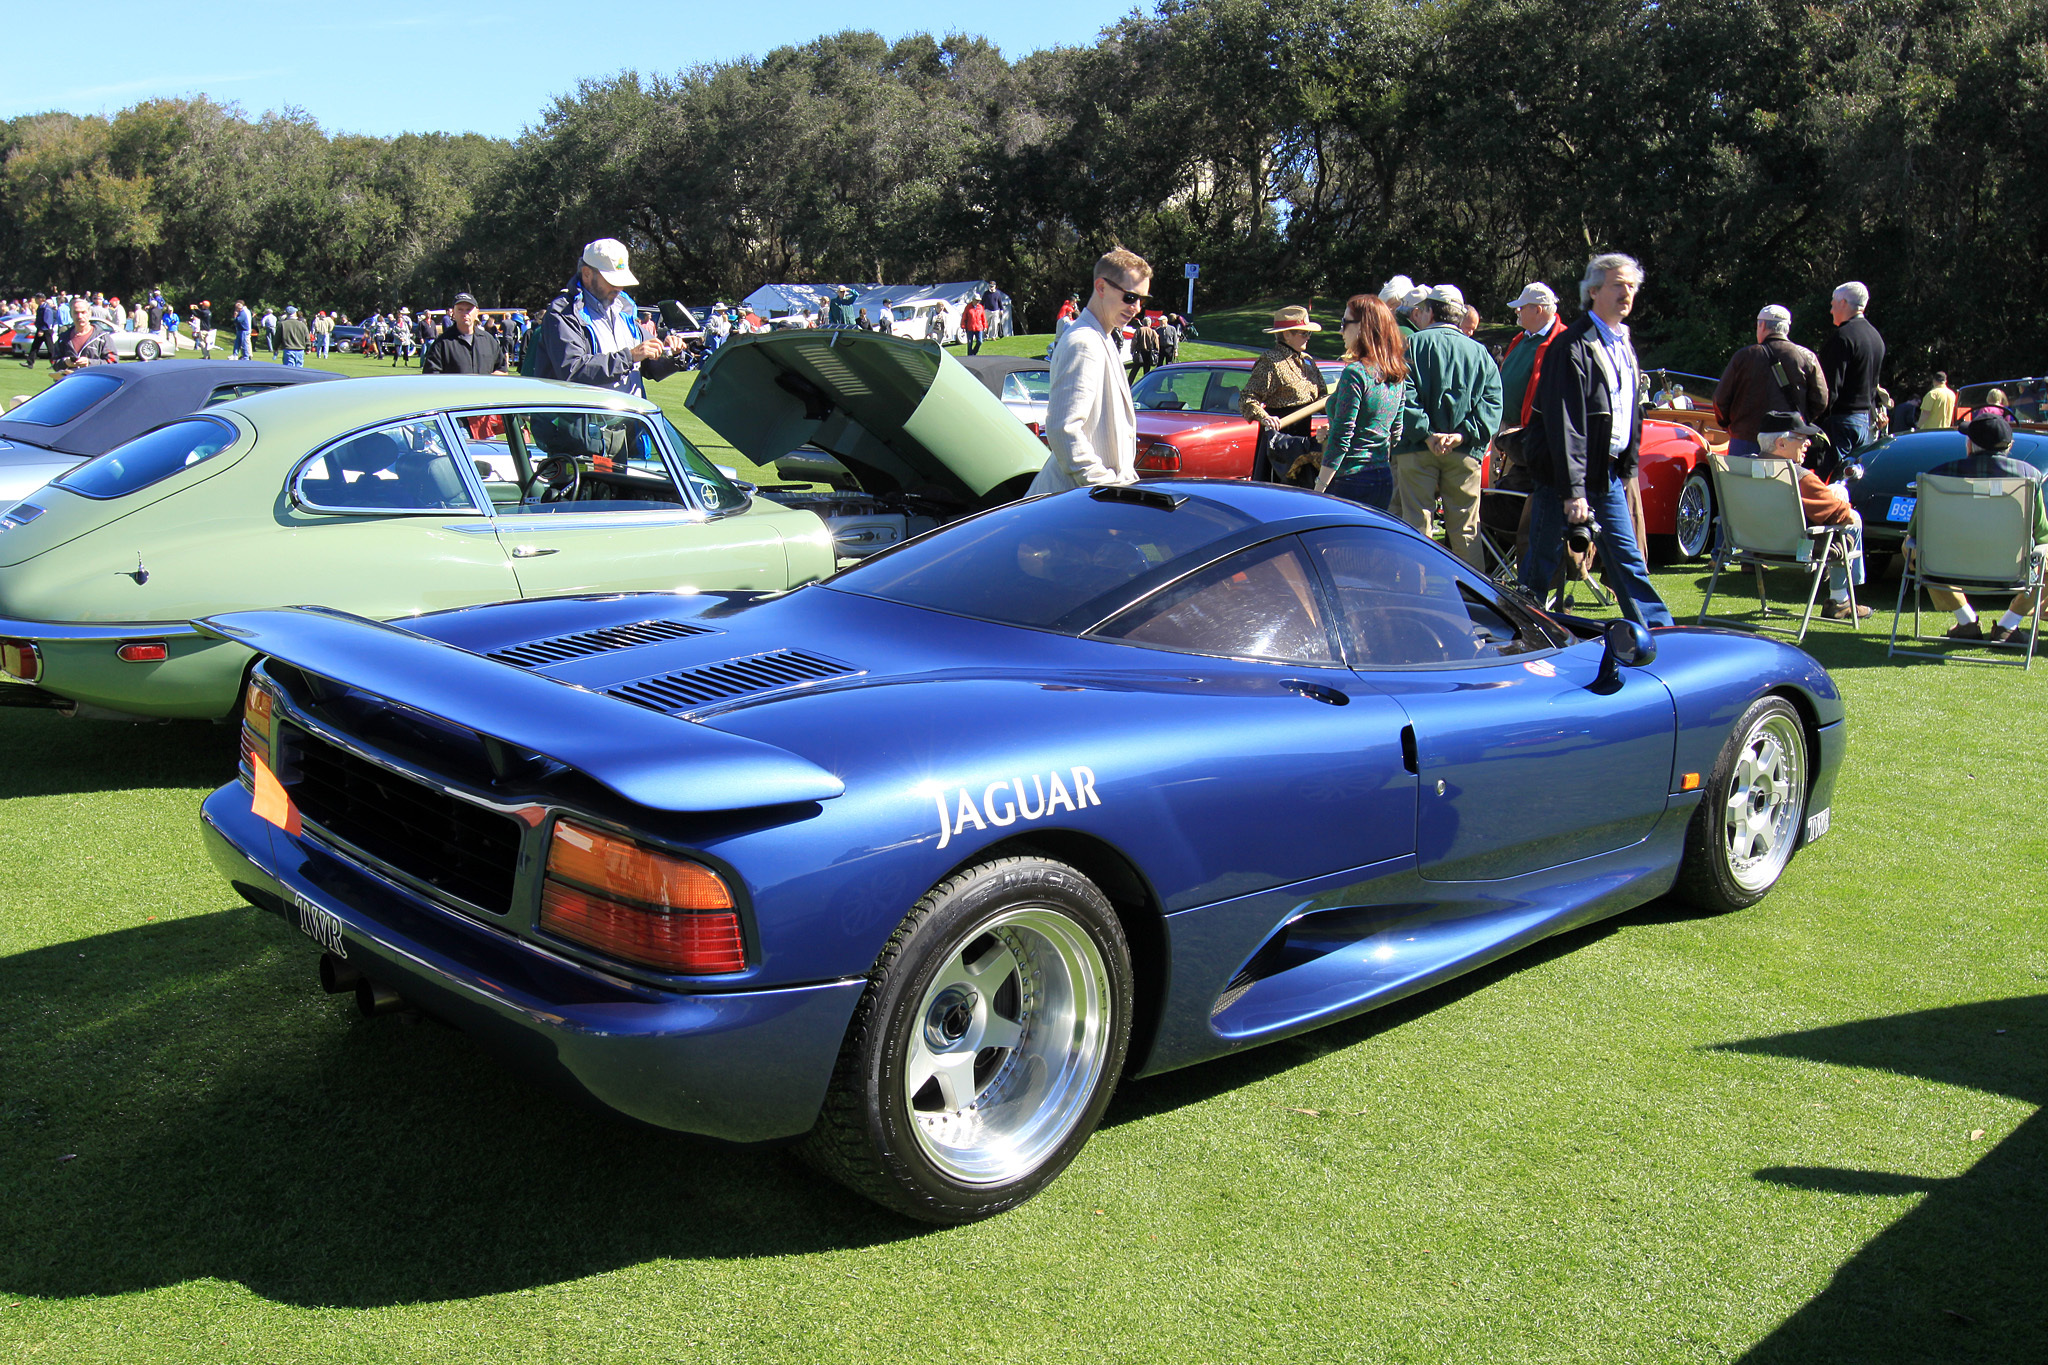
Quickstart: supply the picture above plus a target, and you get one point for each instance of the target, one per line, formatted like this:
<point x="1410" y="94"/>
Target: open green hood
<point x="900" y="415"/>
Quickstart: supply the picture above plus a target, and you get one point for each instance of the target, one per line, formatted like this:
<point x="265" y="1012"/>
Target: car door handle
<point x="1316" y="692"/>
<point x="532" y="551"/>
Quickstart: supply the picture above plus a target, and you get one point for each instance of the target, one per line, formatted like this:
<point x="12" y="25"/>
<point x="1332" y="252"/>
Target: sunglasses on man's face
<point x="1128" y="296"/>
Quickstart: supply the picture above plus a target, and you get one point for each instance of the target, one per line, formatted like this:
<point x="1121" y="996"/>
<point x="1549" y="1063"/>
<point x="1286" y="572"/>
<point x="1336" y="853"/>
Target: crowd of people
<point x="1420" y="405"/>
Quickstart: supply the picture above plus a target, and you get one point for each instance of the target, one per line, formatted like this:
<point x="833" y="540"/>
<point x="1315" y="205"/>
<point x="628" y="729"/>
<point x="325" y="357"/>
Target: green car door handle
<point x="532" y="551"/>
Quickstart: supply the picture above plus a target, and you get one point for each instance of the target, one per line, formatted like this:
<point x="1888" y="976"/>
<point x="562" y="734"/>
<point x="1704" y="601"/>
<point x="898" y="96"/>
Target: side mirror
<point x="1624" y="642"/>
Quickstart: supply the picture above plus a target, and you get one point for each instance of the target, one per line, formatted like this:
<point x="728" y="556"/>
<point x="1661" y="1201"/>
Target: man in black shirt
<point x="463" y="347"/>
<point x="1850" y="361"/>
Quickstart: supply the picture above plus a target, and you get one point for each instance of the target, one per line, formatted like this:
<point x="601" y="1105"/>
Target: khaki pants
<point x="1420" y="478"/>
<point x="1948" y="599"/>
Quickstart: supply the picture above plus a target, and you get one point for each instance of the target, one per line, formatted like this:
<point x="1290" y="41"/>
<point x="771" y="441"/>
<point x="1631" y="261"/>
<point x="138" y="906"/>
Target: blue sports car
<point x="911" y="865"/>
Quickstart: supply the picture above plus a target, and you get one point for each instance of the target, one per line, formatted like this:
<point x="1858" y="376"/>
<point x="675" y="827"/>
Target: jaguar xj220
<point x="913" y="864"/>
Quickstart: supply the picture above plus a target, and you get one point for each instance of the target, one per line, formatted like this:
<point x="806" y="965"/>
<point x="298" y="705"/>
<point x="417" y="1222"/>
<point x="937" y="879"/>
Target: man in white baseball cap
<point x="590" y="332"/>
<point x="1536" y="310"/>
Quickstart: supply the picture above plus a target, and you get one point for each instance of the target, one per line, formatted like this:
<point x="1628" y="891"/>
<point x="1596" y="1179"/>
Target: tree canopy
<point x="1747" y="151"/>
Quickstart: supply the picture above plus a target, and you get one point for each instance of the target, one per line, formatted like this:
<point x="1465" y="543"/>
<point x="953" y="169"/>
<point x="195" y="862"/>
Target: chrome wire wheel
<point x="1766" y="797"/>
<point x="1008" y="1044"/>
<point x="1694" y="521"/>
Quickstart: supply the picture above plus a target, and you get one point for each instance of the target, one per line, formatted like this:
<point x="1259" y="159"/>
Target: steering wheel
<point x="562" y="475"/>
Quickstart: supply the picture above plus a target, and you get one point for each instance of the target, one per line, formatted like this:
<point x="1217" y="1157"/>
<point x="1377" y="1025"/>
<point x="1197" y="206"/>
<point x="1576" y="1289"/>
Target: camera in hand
<point x="1579" y="535"/>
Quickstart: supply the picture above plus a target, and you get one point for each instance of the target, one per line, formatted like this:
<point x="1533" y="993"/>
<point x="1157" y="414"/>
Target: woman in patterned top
<point x="1365" y="411"/>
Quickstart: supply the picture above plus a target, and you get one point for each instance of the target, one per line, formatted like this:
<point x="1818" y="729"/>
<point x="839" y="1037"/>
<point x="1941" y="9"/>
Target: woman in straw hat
<point x="1285" y="380"/>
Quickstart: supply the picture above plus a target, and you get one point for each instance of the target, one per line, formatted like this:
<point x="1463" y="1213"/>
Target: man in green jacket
<point x="1536" y="310"/>
<point x="1452" y="411"/>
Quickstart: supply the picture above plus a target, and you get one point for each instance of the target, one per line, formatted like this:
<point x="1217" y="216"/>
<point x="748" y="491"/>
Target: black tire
<point x="1752" y="811"/>
<point x="1066" y="956"/>
<point x="1695" y="518"/>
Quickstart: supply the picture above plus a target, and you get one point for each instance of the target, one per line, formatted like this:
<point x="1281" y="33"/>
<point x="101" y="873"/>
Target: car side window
<point x="1225" y="389"/>
<point x="228" y="393"/>
<point x="405" y="467"/>
<point x="1401" y="603"/>
<point x="1260" y="603"/>
<point x="588" y="463"/>
<point x="1171" y="390"/>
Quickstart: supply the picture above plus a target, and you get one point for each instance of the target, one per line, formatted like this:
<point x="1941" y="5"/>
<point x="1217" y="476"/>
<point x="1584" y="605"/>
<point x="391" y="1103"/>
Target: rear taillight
<point x="638" y="904"/>
<point x="21" y="659"/>
<point x="1160" y="457"/>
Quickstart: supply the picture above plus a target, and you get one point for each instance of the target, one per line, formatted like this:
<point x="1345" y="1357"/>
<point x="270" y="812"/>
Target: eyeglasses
<point x="1352" y="322"/>
<point x="1128" y="296"/>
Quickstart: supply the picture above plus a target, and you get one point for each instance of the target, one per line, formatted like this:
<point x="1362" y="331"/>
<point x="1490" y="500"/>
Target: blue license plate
<point x="1901" y="510"/>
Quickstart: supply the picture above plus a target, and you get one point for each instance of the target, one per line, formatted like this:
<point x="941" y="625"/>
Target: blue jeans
<point x="241" y="343"/>
<point x="1372" y="486"/>
<point x="1848" y="432"/>
<point x="1620" y="557"/>
<point x="297" y="358"/>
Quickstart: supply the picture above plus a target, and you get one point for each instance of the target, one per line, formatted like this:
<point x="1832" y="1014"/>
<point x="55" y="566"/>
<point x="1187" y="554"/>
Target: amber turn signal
<point x="21" y="660"/>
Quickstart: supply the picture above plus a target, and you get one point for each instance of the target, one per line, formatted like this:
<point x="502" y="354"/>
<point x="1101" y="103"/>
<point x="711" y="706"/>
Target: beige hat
<point x="1447" y="293"/>
<point x="1536" y="292"/>
<point x="607" y="256"/>
<point x="1292" y="319"/>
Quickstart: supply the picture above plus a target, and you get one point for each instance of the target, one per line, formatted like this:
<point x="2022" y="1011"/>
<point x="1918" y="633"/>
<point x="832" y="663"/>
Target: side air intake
<point x="734" y="678"/>
<point x="541" y="653"/>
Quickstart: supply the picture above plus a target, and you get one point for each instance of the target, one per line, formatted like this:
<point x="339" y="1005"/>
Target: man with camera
<point x="590" y="332"/>
<point x="1581" y="444"/>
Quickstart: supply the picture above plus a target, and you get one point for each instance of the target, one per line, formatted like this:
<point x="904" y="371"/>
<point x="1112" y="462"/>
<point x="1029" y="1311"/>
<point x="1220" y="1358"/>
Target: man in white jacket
<point x="1090" y="422"/>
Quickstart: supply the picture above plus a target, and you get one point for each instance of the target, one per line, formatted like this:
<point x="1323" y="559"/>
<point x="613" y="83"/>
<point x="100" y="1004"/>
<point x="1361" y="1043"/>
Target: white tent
<point x="780" y="300"/>
<point x="954" y="296"/>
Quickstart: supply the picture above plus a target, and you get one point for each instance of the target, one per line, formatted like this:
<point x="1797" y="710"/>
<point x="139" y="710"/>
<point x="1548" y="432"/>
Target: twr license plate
<point x="1817" y="824"/>
<point x="323" y="926"/>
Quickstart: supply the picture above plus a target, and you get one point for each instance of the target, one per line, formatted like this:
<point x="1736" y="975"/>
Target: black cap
<point x="1989" y="431"/>
<point x="1776" y="424"/>
<point x="469" y="299"/>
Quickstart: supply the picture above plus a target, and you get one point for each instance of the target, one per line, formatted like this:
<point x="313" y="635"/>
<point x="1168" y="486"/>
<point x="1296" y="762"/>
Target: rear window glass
<point x="149" y="457"/>
<point x="63" y="400"/>
<point x="1032" y="563"/>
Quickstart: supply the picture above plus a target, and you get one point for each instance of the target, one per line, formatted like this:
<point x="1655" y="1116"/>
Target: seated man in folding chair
<point x="1786" y="435"/>
<point x="1990" y="457"/>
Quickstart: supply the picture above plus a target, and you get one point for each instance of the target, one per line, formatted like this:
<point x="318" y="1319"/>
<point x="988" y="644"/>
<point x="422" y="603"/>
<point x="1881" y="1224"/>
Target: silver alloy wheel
<point x="1695" y="516"/>
<point x="1007" y="1045"/>
<point x="1766" y="796"/>
<point x="146" y="350"/>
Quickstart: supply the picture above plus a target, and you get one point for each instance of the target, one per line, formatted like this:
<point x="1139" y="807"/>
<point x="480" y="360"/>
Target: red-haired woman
<point x="1365" y="410"/>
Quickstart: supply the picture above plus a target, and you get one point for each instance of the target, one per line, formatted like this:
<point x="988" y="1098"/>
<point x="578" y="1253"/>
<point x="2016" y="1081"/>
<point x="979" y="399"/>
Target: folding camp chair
<point x="1972" y="535"/>
<point x="1763" y="525"/>
<point x="1503" y="521"/>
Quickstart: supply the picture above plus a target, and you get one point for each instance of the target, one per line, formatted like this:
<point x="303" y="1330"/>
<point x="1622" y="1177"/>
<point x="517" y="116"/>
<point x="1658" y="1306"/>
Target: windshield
<point x="63" y="400"/>
<point x="1032" y="563"/>
<point x="706" y="480"/>
<point x="150" y="457"/>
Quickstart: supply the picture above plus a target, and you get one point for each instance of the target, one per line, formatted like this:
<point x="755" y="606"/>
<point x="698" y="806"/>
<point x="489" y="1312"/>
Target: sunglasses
<point x="1351" y="322"/>
<point x="1128" y="296"/>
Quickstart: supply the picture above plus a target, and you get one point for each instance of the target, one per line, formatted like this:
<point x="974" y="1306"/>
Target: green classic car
<point x="393" y="497"/>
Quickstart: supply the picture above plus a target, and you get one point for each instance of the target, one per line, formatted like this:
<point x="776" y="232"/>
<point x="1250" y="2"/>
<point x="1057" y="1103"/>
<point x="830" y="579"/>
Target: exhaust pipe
<point x="374" y="999"/>
<point x="337" y="977"/>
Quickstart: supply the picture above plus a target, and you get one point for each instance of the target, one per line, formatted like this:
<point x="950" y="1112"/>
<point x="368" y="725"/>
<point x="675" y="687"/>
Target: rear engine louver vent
<point x="733" y="678"/>
<point x="541" y="653"/>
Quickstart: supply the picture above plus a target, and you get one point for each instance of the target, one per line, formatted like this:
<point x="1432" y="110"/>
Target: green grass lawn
<point x="1808" y="1132"/>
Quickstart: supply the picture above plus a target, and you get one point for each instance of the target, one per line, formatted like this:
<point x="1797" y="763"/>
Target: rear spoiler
<point x="651" y="759"/>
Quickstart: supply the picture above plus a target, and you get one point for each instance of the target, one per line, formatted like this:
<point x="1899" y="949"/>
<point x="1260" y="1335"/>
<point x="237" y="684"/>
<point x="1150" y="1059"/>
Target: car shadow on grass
<point x="1141" y="1099"/>
<point x="75" y="756"/>
<point x="1964" y="1275"/>
<point x="180" y="1101"/>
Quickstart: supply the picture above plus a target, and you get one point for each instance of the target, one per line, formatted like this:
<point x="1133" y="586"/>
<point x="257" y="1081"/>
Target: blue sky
<point x="376" y="67"/>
